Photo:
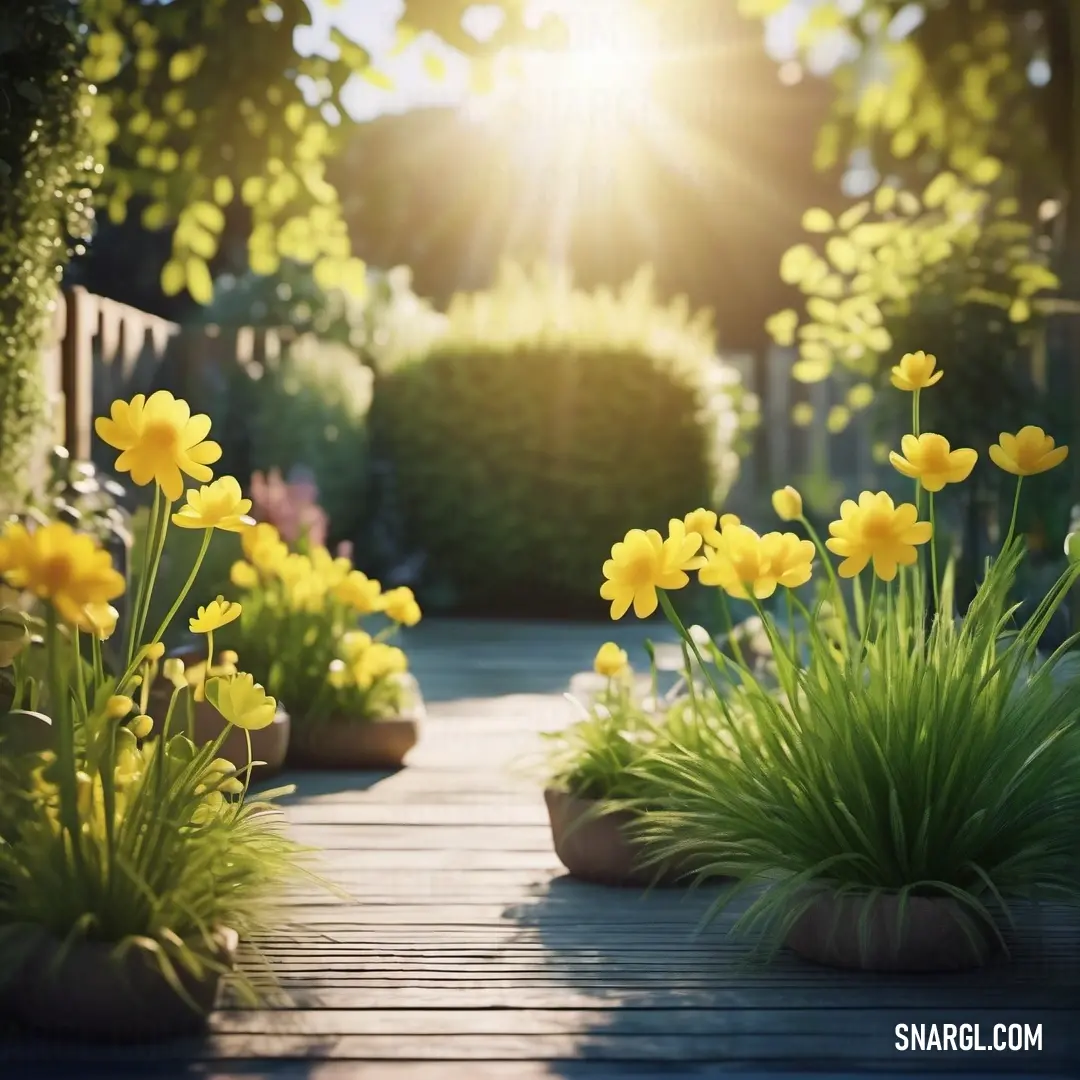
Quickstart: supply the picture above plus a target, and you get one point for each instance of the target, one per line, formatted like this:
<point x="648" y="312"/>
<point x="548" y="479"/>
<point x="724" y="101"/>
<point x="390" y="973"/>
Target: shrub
<point x="308" y="413"/>
<point x="544" y="421"/>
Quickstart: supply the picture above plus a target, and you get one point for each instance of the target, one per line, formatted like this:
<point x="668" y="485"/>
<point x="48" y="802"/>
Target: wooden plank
<point x="77" y="371"/>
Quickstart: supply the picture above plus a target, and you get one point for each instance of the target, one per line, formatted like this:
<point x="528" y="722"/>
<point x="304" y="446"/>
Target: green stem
<point x="728" y="626"/>
<point x="183" y="594"/>
<point x="159" y="548"/>
<point x="933" y="557"/>
<point x="865" y="640"/>
<point x="65" y="737"/>
<point x="830" y="570"/>
<point x="130" y="630"/>
<point x="673" y="615"/>
<point x="250" y="766"/>
<point x="915" y="432"/>
<point x="1012" y="520"/>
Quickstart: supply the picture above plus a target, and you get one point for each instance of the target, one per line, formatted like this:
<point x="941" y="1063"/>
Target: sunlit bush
<point x="541" y="420"/>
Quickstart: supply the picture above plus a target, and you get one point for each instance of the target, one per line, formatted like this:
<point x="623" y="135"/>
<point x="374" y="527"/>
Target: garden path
<point x="463" y="951"/>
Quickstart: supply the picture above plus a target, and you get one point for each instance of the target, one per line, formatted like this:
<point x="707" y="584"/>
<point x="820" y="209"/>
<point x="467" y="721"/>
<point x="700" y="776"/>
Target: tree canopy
<point x="201" y="104"/>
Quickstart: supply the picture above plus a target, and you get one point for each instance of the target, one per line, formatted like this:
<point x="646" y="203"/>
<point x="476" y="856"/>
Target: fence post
<point x="77" y="373"/>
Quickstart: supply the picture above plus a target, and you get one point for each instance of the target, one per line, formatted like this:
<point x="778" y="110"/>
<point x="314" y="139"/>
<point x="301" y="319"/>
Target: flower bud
<point x="173" y="670"/>
<point x="141" y="726"/>
<point x="1072" y="547"/>
<point x="231" y="786"/>
<point x="787" y="503"/>
<point x="153" y="652"/>
<point x="118" y="706"/>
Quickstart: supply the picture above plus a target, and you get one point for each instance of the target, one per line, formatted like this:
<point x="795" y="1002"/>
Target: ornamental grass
<point x="905" y="748"/>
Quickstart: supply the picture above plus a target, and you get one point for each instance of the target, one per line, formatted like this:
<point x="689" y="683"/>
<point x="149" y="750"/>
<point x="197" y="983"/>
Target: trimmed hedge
<point x="544" y="424"/>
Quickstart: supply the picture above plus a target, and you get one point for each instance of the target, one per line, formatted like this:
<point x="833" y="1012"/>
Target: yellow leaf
<point x="939" y="189"/>
<point x="831" y="287"/>
<point x="199" y="282"/>
<point x="802" y="414"/>
<point x="200" y="242"/>
<point x="182" y="65"/>
<point x="904" y="142"/>
<point x="327" y="273"/>
<point x="264" y="262"/>
<point x="842" y="254"/>
<point x="251" y="190"/>
<point x="909" y="203"/>
<point x="795" y="262"/>
<point x="208" y="216"/>
<point x="354" y="278"/>
<point x="1007" y="207"/>
<point x="878" y="339"/>
<point x="884" y="198"/>
<point x="155" y="216"/>
<point x="811" y="371"/>
<point x="434" y="67"/>
<point x="781" y="326"/>
<point x="852" y="216"/>
<point x="860" y="396"/>
<point x="1020" y="311"/>
<point x="820" y="310"/>
<point x="817" y="220"/>
<point x="223" y="191"/>
<point x="295" y="115"/>
<point x="838" y="419"/>
<point x="173" y="278"/>
<point x="986" y="170"/>
<point x="827" y="147"/>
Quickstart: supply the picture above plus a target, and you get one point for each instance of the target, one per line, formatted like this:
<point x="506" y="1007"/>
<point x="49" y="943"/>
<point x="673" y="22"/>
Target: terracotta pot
<point x="268" y="744"/>
<point x="344" y="743"/>
<point x="597" y="849"/>
<point x="91" y="994"/>
<point x="935" y="934"/>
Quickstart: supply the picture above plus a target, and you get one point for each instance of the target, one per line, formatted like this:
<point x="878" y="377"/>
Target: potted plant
<point x="595" y="792"/>
<point x="917" y="771"/>
<point x="132" y="859"/>
<point x="347" y="690"/>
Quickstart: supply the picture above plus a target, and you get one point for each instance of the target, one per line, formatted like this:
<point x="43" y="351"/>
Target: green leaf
<point x="939" y="189"/>
<point x="208" y="216"/>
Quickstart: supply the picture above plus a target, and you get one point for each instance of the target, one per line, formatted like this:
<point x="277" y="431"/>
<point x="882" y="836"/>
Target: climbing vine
<point x="46" y="173"/>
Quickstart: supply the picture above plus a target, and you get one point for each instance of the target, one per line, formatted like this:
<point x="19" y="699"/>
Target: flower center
<point x="877" y="527"/>
<point x="161" y="439"/>
<point x="56" y="572"/>
<point x="640" y="570"/>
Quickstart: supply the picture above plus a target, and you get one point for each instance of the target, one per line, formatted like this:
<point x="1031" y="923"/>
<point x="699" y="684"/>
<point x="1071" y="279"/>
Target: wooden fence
<point x="101" y="350"/>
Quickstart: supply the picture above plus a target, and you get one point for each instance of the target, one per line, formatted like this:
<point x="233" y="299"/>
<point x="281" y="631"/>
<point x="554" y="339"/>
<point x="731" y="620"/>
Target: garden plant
<point x="131" y="858"/>
<point x="917" y="771"/>
<point x="299" y="630"/>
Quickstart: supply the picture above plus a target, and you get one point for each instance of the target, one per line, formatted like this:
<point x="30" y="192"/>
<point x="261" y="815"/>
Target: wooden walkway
<point x="464" y="952"/>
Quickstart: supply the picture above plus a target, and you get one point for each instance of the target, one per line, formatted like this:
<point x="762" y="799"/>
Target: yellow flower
<point x="611" y="660"/>
<point x="57" y="564"/>
<point x="118" y="706"/>
<point x="705" y="524"/>
<point x="1028" y="452"/>
<point x="359" y="592"/>
<point x="353" y="644"/>
<point x="141" y="726"/>
<point x="14" y="635"/>
<point x="915" y="371"/>
<point x="340" y="675"/>
<point x="643" y="562"/>
<point x="243" y="575"/>
<point x="740" y="565"/>
<point x="875" y="529"/>
<point x="379" y="661"/>
<point x="790" y="558"/>
<point x="332" y="571"/>
<point x="241" y="701"/>
<point x="928" y="459"/>
<point x="220" y="505"/>
<point x="787" y="503"/>
<point x="213" y="616"/>
<point x="101" y="620"/>
<point x="159" y="441"/>
<point x="401" y="606"/>
<point x="263" y="547"/>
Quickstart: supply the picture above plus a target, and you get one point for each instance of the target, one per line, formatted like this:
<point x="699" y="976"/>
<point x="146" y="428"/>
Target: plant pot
<point x="935" y="934"/>
<point x="597" y="849"/>
<point x="268" y="744"/>
<point x="346" y="743"/>
<point x="92" y="994"/>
